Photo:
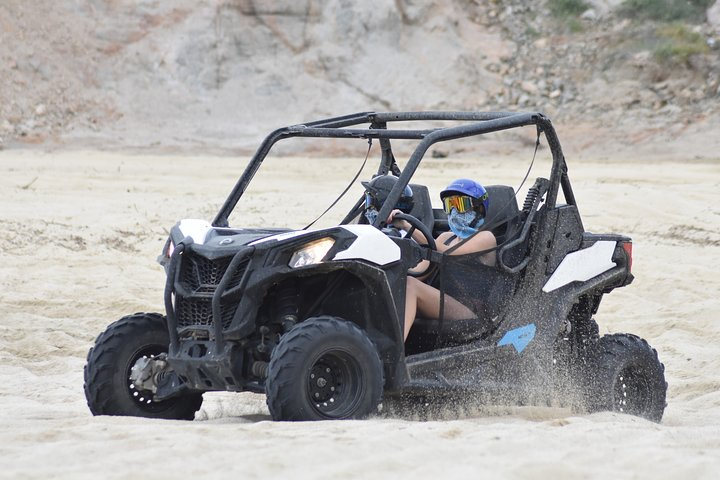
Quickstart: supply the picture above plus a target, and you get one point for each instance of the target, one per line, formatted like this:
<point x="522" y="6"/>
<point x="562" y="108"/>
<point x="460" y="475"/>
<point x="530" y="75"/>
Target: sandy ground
<point x="80" y="233"/>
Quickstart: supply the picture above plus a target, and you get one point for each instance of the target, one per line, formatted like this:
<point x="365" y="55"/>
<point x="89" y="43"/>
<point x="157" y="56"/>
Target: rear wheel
<point x="324" y="368"/>
<point x="108" y="387"/>
<point x="624" y="374"/>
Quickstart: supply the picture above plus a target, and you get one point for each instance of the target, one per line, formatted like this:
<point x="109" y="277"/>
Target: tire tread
<point x="102" y="363"/>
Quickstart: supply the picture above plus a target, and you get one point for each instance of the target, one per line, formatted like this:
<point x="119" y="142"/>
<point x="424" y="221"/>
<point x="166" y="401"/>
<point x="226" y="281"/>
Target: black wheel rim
<point x="632" y="392"/>
<point x="335" y="385"/>
<point x="143" y="399"/>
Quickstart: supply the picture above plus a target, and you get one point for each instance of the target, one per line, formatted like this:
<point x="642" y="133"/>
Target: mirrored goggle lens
<point x="461" y="203"/>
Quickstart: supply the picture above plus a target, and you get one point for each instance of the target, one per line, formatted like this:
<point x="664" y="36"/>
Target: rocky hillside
<point x="219" y="74"/>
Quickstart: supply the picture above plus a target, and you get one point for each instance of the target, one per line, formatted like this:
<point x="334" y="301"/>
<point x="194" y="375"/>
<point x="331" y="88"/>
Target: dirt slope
<point x="217" y="75"/>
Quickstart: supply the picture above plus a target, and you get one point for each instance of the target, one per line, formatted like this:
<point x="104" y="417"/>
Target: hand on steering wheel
<point x="416" y="224"/>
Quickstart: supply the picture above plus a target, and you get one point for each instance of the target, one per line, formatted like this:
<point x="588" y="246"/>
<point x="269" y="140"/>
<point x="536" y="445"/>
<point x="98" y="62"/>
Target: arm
<point x="403" y="225"/>
<point x="482" y="241"/>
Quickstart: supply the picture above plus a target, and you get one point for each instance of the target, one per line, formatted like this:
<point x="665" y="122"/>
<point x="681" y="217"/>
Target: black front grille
<point x="200" y="275"/>
<point x="193" y="311"/>
<point x="199" y="278"/>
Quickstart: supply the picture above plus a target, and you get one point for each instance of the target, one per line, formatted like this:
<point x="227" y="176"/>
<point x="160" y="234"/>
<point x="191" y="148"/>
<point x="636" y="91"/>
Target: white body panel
<point x="582" y="265"/>
<point x="196" y="229"/>
<point x="282" y="236"/>
<point x="371" y="245"/>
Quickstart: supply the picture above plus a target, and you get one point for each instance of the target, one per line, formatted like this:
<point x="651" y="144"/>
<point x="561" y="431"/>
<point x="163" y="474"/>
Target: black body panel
<point x="231" y="298"/>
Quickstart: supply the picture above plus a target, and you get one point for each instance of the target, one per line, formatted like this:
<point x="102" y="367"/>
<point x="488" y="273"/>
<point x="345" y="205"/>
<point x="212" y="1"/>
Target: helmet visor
<point x="462" y="203"/>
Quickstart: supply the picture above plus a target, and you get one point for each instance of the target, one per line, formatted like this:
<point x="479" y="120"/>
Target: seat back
<point x="422" y="206"/>
<point x="503" y="215"/>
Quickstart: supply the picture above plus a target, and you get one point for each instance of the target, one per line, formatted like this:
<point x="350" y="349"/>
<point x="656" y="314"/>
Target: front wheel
<point x="109" y="388"/>
<point x="325" y="368"/>
<point x="624" y="374"/>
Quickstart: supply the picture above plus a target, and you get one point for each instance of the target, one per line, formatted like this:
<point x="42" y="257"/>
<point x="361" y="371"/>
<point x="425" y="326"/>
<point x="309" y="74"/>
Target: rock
<point x="529" y="87"/>
<point x="641" y="59"/>
<point x="713" y="16"/>
<point x="589" y="15"/>
<point x="670" y="109"/>
<point x="40" y="110"/>
<point x="713" y="83"/>
<point x="540" y="43"/>
<point x="603" y="7"/>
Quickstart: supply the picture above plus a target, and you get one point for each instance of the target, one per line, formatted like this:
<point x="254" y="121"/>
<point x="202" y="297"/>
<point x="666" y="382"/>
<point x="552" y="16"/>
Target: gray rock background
<point x="217" y="75"/>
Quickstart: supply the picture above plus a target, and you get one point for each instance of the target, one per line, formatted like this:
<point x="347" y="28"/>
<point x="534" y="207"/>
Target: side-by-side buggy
<point x="313" y="318"/>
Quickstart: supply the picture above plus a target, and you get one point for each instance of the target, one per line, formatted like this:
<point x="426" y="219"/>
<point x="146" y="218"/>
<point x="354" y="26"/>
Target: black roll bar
<point x="337" y="127"/>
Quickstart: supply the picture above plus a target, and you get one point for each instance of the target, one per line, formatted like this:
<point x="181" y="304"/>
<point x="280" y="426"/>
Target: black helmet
<point x="378" y="189"/>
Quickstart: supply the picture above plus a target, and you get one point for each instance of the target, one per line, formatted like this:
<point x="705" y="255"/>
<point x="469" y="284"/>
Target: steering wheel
<point x="416" y="224"/>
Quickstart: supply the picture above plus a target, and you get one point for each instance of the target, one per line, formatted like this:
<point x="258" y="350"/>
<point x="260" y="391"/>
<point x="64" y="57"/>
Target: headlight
<point x="167" y="251"/>
<point x="170" y="248"/>
<point x="311" y="253"/>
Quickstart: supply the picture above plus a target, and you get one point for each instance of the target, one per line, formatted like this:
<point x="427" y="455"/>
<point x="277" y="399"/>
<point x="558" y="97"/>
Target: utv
<point x="313" y="318"/>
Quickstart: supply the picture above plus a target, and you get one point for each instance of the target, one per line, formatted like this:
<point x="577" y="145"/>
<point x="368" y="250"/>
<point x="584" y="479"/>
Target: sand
<point x="80" y="232"/>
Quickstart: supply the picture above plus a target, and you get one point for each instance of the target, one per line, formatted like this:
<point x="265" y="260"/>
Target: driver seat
<point x="422" y="206"/>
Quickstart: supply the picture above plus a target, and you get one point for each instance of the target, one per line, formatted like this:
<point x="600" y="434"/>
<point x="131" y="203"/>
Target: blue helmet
<point x="472" y="189"/>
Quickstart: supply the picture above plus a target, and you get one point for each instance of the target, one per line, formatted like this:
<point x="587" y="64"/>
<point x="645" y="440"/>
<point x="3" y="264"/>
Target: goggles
<point x="371" y="202"/>
<point x="461" y="203"/>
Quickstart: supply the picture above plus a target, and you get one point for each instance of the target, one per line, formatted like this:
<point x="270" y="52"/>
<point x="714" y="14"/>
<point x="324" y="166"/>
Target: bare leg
<point x="411" y="295"/>
<point x="424" y="300"/>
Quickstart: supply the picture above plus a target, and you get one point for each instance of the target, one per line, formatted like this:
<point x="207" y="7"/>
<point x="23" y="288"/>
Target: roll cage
<point x="478" y="123"/>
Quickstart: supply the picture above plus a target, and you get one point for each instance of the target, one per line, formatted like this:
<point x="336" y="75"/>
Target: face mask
<point x="371" y="215"/>
<point x="459" y="223"/>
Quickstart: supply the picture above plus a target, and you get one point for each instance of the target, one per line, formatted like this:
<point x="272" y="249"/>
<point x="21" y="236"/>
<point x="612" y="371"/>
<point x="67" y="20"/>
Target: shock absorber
<point x="534" y="196"/>
<point x="530" y="198"/>
<point x="287" y="305"/>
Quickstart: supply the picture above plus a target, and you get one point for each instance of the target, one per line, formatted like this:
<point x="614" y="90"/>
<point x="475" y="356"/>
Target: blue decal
<point x="519" y="337"/>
